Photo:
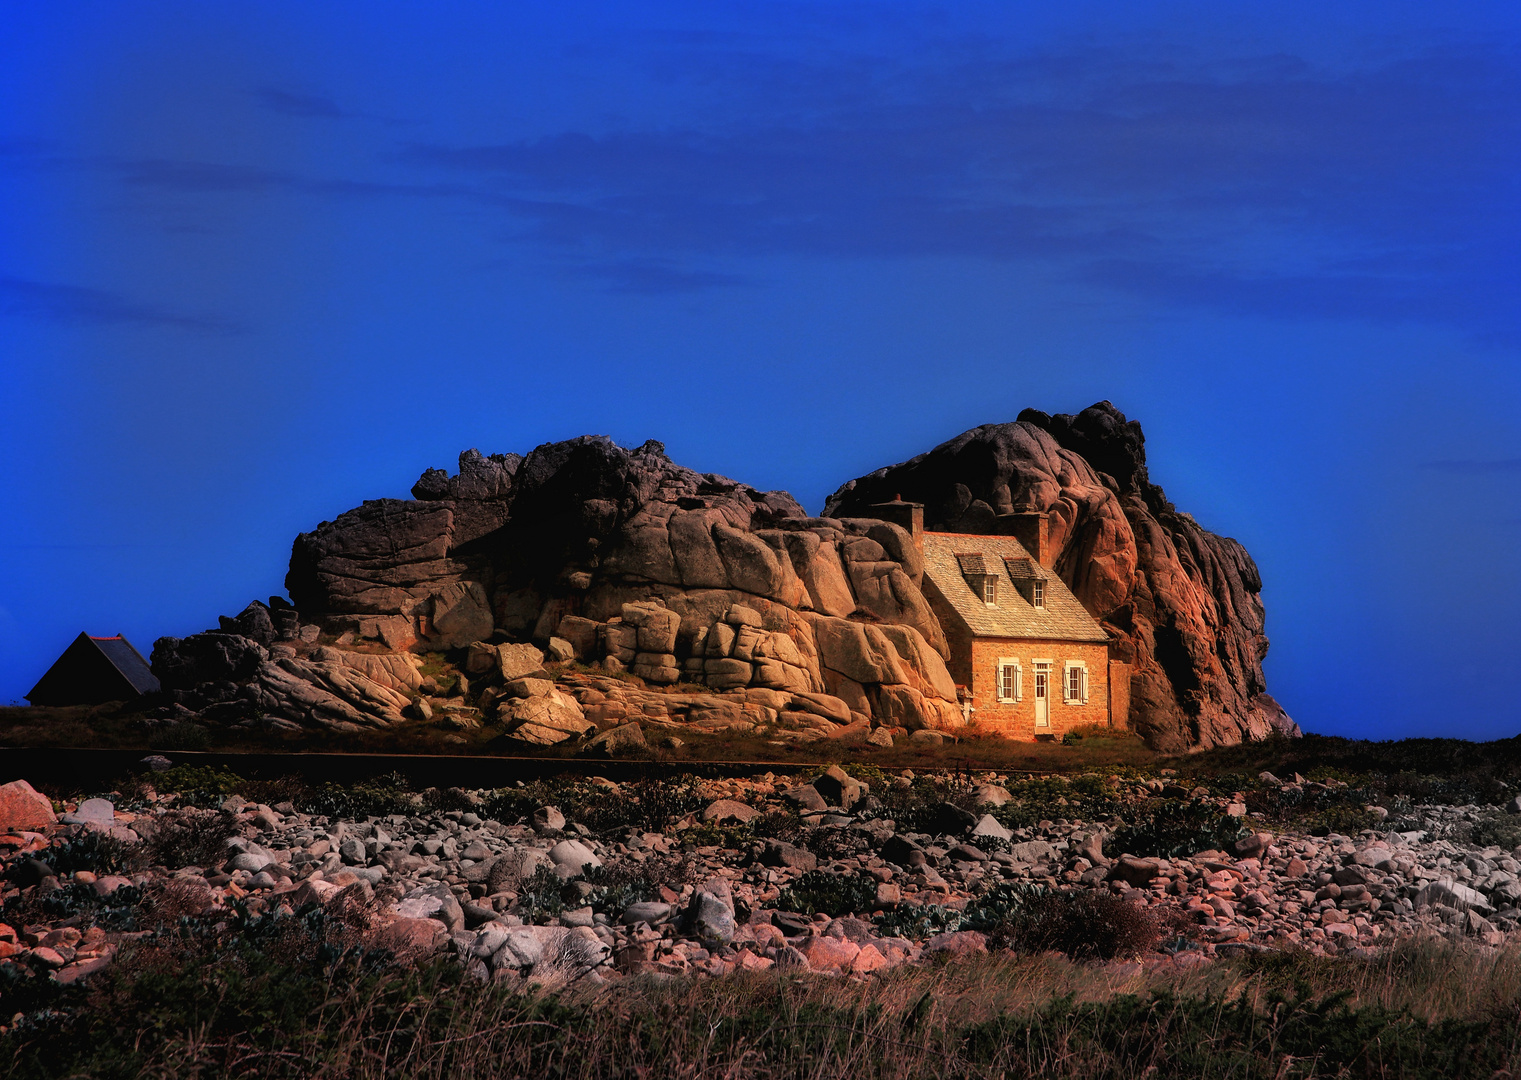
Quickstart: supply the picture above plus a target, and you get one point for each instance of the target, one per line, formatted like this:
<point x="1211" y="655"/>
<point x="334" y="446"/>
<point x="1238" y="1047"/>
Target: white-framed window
<point x="1075" y="682"/>
<point x="990" y="590"/>
<point x="1038" y="593"/>
<point x="1010" y="680"/>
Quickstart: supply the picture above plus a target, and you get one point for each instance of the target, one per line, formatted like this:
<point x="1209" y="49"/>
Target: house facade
<point x="1028" y="659"/>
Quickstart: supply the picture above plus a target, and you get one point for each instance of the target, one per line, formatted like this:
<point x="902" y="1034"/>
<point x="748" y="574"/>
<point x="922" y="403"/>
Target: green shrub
<point x="97" y="852"/>
<point x="829" y="893"/>
<point x="196" y="783"/>
<point x="1172" y="829"/>
<point x="540" y="897"/>
<point x="1085" y="924"/>
<point x="388" y="794"/>
<point x="918" y="921"/>
<point x="618" y="884"/>
<point x="648" y="805"/>
<point x="188" y="837"/>
<point x="77" y="901"/>
<point x="185" y="735"/>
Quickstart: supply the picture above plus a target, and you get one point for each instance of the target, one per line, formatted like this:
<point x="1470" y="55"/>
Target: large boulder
<point x="335" y="692"/>
<point x="1184" y="603"/>
<point x="23" y="807"/>
<point x="213" y="656"/>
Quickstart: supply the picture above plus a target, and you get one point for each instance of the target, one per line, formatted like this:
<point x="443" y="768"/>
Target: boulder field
<point x="536" y="893"/>
<point x="624" y="561"/>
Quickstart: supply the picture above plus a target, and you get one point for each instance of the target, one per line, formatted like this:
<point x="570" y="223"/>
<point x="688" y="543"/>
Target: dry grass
<point x="1426" y="1009"/>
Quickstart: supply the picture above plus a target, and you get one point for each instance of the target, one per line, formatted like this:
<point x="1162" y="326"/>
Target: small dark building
<point x="94" y="670"/>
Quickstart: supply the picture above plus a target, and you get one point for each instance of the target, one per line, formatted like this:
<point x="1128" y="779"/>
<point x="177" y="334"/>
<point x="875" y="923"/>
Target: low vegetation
<point x="280" y="993"/>
<point x="259" y="1002"/>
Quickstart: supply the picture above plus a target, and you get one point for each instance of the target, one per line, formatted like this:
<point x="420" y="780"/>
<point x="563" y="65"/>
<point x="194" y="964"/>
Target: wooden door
<point x="1042" y="695"/>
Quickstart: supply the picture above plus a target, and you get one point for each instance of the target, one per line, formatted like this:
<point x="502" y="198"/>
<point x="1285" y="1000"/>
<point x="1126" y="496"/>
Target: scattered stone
<point x="806" y="797"/>
<point x="573" y="855"/>
<point x="781" y="853"/>
<point x="723" y="810"/>
<point x="618" y="742"/>
<point x="838" y="788"/>
<point x="987" y="825"/>
<point x="548" y="819"/>
<point x="433" y="902"/>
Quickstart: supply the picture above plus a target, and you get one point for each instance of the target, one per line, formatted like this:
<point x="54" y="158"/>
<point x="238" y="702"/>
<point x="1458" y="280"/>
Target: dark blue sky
<point x="260" y="262"/>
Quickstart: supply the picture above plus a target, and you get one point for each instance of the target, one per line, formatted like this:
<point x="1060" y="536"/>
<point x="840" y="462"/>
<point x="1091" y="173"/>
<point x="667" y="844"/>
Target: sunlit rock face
<point x="1183" y="603"/>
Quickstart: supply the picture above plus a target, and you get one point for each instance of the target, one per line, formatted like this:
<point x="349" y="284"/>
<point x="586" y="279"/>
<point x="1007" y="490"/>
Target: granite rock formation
<point x="1183" y="604"/>
<point x="614" y="557"/>
<point x="625" y="561"/>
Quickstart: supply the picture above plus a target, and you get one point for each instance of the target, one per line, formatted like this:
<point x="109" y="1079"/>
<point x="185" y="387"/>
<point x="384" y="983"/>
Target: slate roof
<point x="1062" y="619"/>
<point x="93" y="670"/>
<point x="127" y="660"/>
<point x="971" y="562"/>
<point x="1024" y="569"/>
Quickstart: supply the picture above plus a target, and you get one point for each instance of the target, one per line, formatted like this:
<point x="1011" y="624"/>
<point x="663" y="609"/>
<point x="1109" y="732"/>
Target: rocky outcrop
<point x="1183" y="604"/>
<point x="622" y="559"/>
<point x="635" y="563"/>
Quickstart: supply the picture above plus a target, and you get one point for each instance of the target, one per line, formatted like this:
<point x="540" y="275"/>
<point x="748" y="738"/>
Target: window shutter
<point x="1083" y="677"/>
<point x="1003" y="679"/>
<point x="1019" y="682"/>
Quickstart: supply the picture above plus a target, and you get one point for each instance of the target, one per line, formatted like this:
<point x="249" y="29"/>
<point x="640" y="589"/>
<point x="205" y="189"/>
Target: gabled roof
<point x="93" y="670"/>
<point x="1063" y="618"/>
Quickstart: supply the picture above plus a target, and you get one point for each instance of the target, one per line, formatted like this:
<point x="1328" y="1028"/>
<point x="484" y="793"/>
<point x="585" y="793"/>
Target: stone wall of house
<point x="1017" y="719"/>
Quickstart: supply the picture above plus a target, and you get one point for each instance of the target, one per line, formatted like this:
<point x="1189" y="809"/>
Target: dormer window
<point x="979" y="578"/>
<point x="1028" y="578"/>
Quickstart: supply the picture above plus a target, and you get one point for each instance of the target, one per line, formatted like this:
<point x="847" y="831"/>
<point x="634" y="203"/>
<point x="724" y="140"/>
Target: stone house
<point x="94" y="670"/>
<point x="1028" y="659"/>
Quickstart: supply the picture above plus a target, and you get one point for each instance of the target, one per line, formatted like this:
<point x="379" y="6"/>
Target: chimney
<point x="910" y="515"/>
<point x="1031" y="529"/>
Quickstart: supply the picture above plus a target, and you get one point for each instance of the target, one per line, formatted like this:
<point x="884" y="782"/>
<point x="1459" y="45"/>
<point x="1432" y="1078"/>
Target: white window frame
<point x="1016" y="678"/>
<point x="1038" y="594"/>
<point x="1081" y="668"/>
<point x="990" y="590"/>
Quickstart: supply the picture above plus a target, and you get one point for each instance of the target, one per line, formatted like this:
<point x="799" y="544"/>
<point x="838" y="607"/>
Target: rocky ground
<point x="743" y="873"/>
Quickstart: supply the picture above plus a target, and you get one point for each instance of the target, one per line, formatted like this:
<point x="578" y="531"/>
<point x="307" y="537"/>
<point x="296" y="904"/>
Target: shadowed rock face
<point x="637" y="563"/>
<point x="1184" y="604"/>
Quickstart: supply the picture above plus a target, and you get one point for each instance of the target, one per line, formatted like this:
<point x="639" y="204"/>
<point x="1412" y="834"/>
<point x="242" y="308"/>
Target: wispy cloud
<point x="1389" y="192"/>
<point x="1474" y="466"/>
<point x="288" y="103"/>
<point x="652" y="277"/>
<point x="73" y="305"/>
<point x="1265" y="185"/>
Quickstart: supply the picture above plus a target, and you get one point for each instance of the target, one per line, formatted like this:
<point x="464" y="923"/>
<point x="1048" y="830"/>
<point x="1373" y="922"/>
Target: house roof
<point x="93" y="670"/>
<point x="1024" y="569"/>
<point x="127" y="660"/>
<point x="1063" y="618"/>
<point x="971" y="562"/>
